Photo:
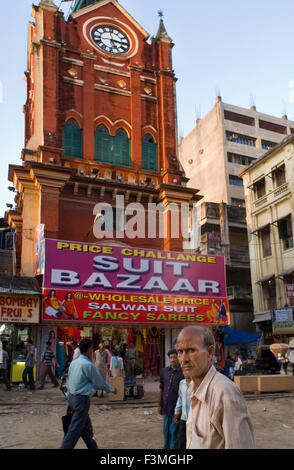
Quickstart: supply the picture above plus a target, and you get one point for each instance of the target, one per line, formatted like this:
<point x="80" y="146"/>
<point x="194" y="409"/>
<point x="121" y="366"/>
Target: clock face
<point x="110" y="39"/>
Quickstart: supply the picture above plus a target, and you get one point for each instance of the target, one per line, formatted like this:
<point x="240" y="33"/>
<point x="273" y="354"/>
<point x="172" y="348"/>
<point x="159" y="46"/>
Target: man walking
<point x="4" y="358"/>
<point x="218" y="416"/>
<point x="48" y="357"/>
<point x="82" y="378"/>
<point x="29" y="366"/>
<point x="170" y="378"/>
<point x="182" y="411"/>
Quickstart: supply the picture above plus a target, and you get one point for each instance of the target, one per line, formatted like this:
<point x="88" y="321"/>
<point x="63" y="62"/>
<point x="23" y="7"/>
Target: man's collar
<point x="200" y="392"/>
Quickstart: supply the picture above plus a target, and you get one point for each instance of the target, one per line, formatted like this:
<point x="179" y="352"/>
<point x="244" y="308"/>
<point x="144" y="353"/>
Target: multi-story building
<point x="213" y="154"/>
<point x="269" y="194"/>
<point x="223" y="142"/>
<point x="223" y="232"/>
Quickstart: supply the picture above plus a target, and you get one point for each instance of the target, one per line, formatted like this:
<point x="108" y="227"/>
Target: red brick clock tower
<point x="100" y="120"/>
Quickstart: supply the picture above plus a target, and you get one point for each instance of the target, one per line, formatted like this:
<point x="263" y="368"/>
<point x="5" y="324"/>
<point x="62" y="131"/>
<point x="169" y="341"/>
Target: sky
<point x="240" y="50"/>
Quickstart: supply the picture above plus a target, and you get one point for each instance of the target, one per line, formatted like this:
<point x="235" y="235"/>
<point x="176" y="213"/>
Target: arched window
<point x="149" y="153"/>
<point x="72" y="139"/>
<point x="122" y="148"/>
<point x="103" y="142"/>
<point x="109" y="149"/>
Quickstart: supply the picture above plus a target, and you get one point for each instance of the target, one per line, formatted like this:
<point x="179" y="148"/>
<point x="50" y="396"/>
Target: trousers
<point x="182" y="435"/>
<point x="29" y="371"/>
<point x="4" y="374"/>
<point x="80" y="425"/>
<point x="170" y="432"/>
<point x="131" y="368"/>
<point x="48" y="371"/>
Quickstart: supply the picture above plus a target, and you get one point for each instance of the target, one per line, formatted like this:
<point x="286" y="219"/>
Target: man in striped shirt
<point x="48" y="357"/>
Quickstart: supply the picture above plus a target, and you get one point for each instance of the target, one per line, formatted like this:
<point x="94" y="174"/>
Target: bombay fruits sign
<point x="16" y="308"/>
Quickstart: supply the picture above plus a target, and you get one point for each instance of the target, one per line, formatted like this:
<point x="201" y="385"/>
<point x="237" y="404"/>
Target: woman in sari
<point x="68" y="307"/>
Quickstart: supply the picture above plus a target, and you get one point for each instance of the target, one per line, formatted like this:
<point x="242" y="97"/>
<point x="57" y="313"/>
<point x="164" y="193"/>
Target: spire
<point x="79" y="4"/>
<point x="49" y="3"/>
<point x="162" y="33"/>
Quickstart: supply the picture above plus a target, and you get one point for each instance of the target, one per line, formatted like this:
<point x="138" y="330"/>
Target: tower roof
<point x="162" y="33"/>
<point x="79" y="4"/>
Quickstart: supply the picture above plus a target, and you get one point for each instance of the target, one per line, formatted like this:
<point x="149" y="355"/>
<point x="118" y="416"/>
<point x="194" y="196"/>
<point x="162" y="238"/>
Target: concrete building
<point x="222" y="143"/>
<point x="223" y="232"/>
<point x="269" y="195"/>
<point x="213" y="154"/>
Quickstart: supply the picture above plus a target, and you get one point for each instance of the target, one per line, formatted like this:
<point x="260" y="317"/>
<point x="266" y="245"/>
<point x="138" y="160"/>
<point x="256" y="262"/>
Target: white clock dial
<point x="110" y="39"/>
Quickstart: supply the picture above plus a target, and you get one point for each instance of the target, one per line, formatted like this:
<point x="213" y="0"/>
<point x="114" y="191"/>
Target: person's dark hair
<point x="85" y="345"/>
<point x="48" y="343"/>
<point x="172" y="351"/>
<point x="74" y="343"/>
<point x="30" y="341"/>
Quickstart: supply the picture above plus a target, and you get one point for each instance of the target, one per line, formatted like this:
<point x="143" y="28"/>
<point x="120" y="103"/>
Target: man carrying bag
<point x="82" y="378"/>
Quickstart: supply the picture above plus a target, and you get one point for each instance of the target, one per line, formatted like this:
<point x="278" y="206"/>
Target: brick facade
<point x="69" y="77"/>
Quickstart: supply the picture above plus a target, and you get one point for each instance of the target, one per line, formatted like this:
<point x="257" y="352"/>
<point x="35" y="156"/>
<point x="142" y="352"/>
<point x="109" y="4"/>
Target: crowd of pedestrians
<point x="200" y="407"/>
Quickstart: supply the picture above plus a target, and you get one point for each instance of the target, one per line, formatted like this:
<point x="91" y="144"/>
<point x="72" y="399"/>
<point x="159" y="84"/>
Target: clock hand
<point x="119" y="42"/>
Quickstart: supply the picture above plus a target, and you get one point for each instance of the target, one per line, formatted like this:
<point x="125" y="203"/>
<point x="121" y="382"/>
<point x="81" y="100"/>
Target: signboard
<point x="283" y="327"/>
<point x="90" y="282"/>
<point x="285" y="314"/>
<point x="18" y="308"/>
<point x="289" y="290"/>
<point x="214" y="237"/>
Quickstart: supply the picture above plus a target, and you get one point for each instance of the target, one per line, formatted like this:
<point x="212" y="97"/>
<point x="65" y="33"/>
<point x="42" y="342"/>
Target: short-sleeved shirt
<point x="169" y="383"/>
<point x="48" y="357"/>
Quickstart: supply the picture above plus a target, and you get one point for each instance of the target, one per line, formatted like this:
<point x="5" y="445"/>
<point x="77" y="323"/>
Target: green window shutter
<point x="72" y="139"/>
<point x="108" y="149"/>
<point x="103" y="143"/>
<point x="149" y="156"/>
<point x="121" y="150"/>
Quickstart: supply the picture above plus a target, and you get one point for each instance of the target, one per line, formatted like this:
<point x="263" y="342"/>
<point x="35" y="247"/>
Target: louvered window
<point x="149" y="153"/>
<point x="112" y="149"/>
<point x="72" y="139"/>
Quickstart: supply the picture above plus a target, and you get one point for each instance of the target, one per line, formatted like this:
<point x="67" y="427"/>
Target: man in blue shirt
<point x="82" y="378"/>
<point x="170" y="378"/>
<point x="29" y="366"/>
<point x="182" y="411"/>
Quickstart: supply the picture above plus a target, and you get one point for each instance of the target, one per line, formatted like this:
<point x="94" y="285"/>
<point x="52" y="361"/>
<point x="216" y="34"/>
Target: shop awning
<point x="262" y="317"/>
<point x="265" y="279"/>
<point x="259" y="229"/>
<point x="287" y="272"/>
<point x="19" y="285"/>
<point x="232" y="336"/>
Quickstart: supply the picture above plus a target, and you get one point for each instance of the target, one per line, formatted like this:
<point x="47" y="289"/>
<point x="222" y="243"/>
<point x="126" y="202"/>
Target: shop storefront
<point x="121" y="295"/>
<point x="149" y="341"/>
<point x="19" y="319"/>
